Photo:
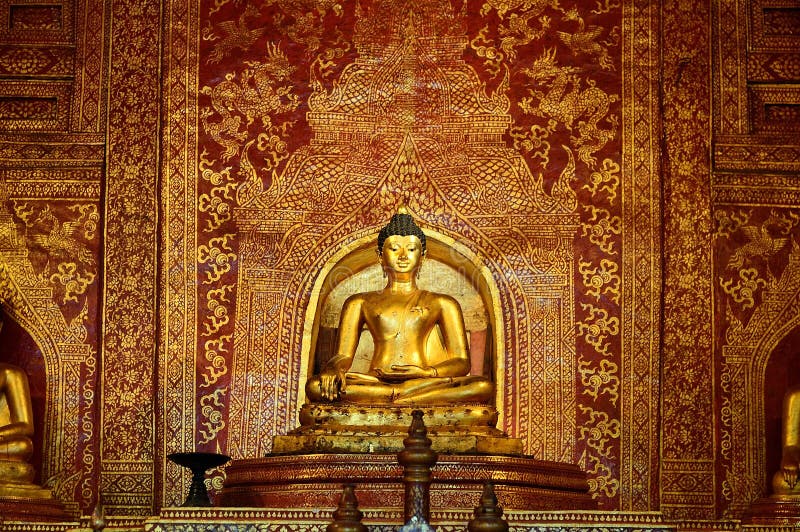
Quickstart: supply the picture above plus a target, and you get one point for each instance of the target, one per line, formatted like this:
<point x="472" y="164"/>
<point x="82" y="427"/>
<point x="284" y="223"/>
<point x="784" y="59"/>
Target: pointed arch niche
<point x="62" y="373"/>
<point x="448" y="267"/>
<point x="778" y="379"/>
<point x="755" y="358"/>
<point x="18" y="348"/>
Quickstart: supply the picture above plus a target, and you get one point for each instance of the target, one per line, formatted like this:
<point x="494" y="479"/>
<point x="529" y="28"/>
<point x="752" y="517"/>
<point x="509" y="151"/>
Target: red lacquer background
<point x="626" y="174"/>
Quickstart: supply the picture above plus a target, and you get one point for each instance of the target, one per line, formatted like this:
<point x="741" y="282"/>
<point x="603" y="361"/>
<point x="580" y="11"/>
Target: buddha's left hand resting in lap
<point x="400" y="317"/>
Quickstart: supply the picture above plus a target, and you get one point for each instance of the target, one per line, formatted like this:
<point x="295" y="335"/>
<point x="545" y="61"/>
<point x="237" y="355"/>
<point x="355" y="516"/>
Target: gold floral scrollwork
<point x="217" y="479"/>
<point x="597" y="434"/>
<point x="606" y="179"/>
<point x="728" y="223"/>
<point x="605" y="6"/>
<point x="503" y="7"/>
<point x="25" y="61"/>
<point x="601" y="480"/>
<point x="88" y="425"/>
<point x="211" y="410"/>
<point x="88" y="219"/>
<point x="71" y="279"/>
<point x="599" y="380"/>
<point x="601" y="228"/>
<point x="219" y="255"/>
<point x="325" y="62"/>
<point x="275" y="150"/>
<point x="215" y="354"/>
<point x="208" y="173"/>
<point x="534" y="140"/>
<point x="745" y="288"/>
<point x="273" y="144"/>
<point x="218" y="307"/>
<point x="599" y="431"/>
<point x="216" y="202"/>
<point x="726" y="417"/>
<point x="598" y="327"/>
<point x="601" y="280"/>
<point x="484" y="48"/>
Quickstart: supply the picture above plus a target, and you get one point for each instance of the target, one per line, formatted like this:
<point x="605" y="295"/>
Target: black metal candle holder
<point x="198" y="463"/>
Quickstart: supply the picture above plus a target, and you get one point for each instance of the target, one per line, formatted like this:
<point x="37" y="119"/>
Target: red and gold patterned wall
<point x="176" y="176"/>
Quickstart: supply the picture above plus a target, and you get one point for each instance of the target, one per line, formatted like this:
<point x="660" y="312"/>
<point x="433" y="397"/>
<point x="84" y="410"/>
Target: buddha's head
<point x="401" y="224"/>
<point x="401" y="243"/>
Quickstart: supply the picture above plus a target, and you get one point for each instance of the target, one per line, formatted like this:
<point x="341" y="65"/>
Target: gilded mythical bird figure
<point x="237" y="35"/>
<point x="583" y="41"/>
<point x="760" y="244"/>
<point x="60" y="242"/>
<point x="505" y="6"/>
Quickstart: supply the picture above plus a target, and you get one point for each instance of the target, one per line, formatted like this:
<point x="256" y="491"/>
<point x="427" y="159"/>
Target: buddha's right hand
<point x="332" y="383"/>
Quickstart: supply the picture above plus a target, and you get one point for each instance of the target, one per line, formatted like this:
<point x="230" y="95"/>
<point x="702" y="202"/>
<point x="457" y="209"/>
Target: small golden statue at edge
<point x="785" y="482"/>
<point x="16" y="415"/>
<point x="16" y="430"/>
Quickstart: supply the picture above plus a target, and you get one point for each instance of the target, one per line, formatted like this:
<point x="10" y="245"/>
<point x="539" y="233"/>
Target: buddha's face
<point x="401" y="253"/>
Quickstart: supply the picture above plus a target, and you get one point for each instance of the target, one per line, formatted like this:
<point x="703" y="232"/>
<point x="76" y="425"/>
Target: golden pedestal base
<point x="25" y="491"/>
<point x="21" y="500"/>
<point x="16" y="479"/>
<point x="457" y="429"/>
<point x="338" y="444"/>
<point x="393" y="418"/>
<point x="452" y="443"/>
<point x="32" y="509"/>
<point x="776" y="510"/>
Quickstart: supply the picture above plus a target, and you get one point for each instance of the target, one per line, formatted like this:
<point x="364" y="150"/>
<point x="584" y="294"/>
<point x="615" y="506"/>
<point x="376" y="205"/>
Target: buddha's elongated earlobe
<point x="381" y="264"/>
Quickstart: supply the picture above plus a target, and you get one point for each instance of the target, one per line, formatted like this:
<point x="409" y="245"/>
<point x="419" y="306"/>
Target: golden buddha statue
<point x="400" y="318"/>
<point x="420" y="360"/>
<point x="16" y="429"/>
<point x="16" y="414"/>
<point x="785" y="481"/>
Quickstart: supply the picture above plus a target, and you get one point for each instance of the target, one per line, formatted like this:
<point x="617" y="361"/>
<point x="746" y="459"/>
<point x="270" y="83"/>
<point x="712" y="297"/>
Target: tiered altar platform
<point x="359" y="445"/>
<point x="315" y="480"/>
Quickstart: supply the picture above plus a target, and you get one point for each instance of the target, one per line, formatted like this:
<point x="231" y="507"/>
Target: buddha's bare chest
<point x="387" y="320"/>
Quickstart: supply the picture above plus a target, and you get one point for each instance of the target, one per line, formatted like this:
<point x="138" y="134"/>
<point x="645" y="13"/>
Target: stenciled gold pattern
<point x="759" y="245"/>
<point x="282" y="135"/>
<point x="51" y="290"/>
<point x="288" y="128"/>
<point x="257" y="157"/>
<point x="127" y="451"/>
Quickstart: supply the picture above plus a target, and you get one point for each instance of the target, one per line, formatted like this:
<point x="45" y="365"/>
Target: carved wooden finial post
<point x="417" y="458"/>
<point x="347" y="517"/>
<point x="488" y="515"/>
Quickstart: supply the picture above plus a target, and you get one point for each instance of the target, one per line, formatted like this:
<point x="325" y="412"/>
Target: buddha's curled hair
<point x="401" y="224"/>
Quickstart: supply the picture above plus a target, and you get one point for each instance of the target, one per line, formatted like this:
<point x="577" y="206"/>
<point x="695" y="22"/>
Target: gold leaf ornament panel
<point x="501" y="124"/>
